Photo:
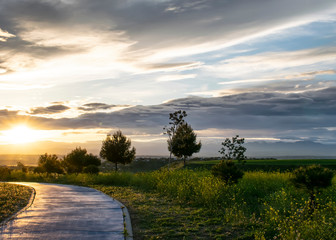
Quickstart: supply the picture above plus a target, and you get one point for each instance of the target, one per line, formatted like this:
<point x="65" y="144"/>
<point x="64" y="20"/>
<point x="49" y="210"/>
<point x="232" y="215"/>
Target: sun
<point x="21" y="134"/>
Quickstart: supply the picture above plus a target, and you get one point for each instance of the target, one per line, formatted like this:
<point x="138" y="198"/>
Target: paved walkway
<point x="67" y="212"/>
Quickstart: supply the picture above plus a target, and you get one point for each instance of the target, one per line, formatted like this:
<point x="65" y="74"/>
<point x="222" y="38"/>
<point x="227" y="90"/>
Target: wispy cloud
<point x="168" y="78"/>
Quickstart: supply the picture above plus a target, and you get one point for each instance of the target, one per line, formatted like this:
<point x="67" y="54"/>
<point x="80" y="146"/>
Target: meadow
<point x="267" y="164"/>
<point x="193" y="204"/>
<point x="12" y="198"/>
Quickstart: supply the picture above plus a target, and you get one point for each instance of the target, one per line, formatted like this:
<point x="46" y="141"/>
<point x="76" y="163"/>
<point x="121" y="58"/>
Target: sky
<point x="72" y="71"/>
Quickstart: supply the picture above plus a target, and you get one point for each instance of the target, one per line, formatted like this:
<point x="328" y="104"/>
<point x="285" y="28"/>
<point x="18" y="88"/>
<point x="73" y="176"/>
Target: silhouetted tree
<point x="312" y="178"/>
<point x="233" y="149"/>
<point x="78" y="159"/>
<point x="176" y="119"/>
<point x="183" y="142"/>
<point x="22" y="167"/>
<point x="117" y="149"/>
<point x="49" y="164"/>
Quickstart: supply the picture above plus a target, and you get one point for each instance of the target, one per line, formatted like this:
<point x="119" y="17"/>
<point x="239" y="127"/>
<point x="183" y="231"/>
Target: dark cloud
<point x="258" y="110"/>
<point x="308" y="115"/>
<point x="49" y="110"/>
<point x="100" y="106"/>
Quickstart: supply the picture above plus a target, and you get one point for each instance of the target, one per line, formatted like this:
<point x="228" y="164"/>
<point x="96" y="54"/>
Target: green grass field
<point x="268" y="164"/>
<point x="193" y="204"/>
<point x="297" y="162"/>
<point x="12" y="198"/>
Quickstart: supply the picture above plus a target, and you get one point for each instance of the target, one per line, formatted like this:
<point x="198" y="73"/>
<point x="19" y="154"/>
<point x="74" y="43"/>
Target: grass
<point x="12" y="198"/>
<point x="192" y="204"/>
<point x="268" y="164"/>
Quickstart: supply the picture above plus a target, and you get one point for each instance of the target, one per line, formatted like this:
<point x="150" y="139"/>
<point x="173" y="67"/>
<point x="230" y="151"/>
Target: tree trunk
<point x="116" y="167"/>
<point x="169" y="161"/>
<point x="184" y="161"/>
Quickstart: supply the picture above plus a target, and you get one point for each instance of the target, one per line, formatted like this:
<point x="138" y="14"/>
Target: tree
<point x="22" y="167"/>
<point x="233" y="149"/>
<point x="117" y="149"/>
<point x="183" y="143"/>
<point x="176" y="119"/>
<point x="312" y="178"/>
<point x="78" y="159"/>
<point x="49" y="164"/>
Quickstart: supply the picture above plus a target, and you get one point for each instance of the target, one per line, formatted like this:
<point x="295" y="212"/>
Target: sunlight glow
<point x="21" y="134"/>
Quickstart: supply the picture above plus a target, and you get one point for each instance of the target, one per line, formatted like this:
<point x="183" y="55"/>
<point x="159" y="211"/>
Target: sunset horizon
<point x="73" y="71"/>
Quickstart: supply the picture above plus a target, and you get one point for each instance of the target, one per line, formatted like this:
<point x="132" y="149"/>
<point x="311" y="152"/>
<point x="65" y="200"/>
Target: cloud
<point x="254" y="115"/>
<point x="271" y="66"/>
<point x="88" y="107"/>
<point x="257" y="111"/>
<point x="4" y="35"/>
<point x="49" y="110"/>
<point x="91" y="40"/>
<point x="168" y="78"/>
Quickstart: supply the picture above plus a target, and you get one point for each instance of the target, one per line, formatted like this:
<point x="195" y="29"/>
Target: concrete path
<point x="67" y="212"/>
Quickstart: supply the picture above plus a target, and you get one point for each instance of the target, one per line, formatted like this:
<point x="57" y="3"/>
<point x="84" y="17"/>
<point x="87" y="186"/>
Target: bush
<point x="312" y="178"/>
<point x="5" y="173"/>
<point x="78" y="159"/>
<point x="227" y="171"/>
<point x="49" y="164"/>
<point x="91" y="169"/>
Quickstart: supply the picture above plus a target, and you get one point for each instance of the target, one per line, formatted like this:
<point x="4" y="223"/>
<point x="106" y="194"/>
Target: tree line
<point x="182" y="143"/>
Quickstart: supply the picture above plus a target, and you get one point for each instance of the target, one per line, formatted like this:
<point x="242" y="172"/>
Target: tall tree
<point x="233" y="149"/>
<point x="117" y="149"/>
<point x="176" y="119"/>
<point x="183" y="142"/>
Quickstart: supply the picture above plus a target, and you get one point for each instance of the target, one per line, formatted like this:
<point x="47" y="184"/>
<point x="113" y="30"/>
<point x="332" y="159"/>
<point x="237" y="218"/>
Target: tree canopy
<point x="176" y="119"/>
<point x="78" y="159"/>
<point x="117" y="149"/>
<point x="184" y="143"/>
<point x="49" y="164"/>
<point x="233" y="149"/>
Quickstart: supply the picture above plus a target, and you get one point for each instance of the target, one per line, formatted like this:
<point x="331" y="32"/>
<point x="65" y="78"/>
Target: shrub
<point x="312" y="178"/>
<point x="92" y="169"/>
<point x="78" y="159"/>
<point x="227" y="171"/>
<point x="49" y="164"/>
<point x="5" y="173"/>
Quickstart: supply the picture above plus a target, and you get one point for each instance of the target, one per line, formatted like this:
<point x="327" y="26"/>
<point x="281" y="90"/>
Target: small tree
<point x="117" y="149"/>
<point x="49" y="164"/>
<point x="78" y="159"/>
<point x="233" y="149"/>
<point x="227" y="171"/>
<point x="312" y="178"/>
<point x="176" y="119"/>
<point x="183" y="143"/>
<point x="22" y="167"/>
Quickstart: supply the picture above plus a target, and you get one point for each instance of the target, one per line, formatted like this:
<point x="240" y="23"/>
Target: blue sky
<point x="71" y="68"/>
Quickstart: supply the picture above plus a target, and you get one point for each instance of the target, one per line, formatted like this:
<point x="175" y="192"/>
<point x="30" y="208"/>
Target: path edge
<point x="30" y="202"/>
<point x="128" y="231"/>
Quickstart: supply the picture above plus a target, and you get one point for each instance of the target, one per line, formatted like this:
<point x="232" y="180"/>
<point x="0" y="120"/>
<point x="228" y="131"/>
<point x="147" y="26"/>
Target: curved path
<point x="67" y="212"/>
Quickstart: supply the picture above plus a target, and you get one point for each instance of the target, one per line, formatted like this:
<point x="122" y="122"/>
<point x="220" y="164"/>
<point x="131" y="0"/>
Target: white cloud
<point x="276" y="65"/>
<point x="4" y="35"/>
<point x="168" y="78"/>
